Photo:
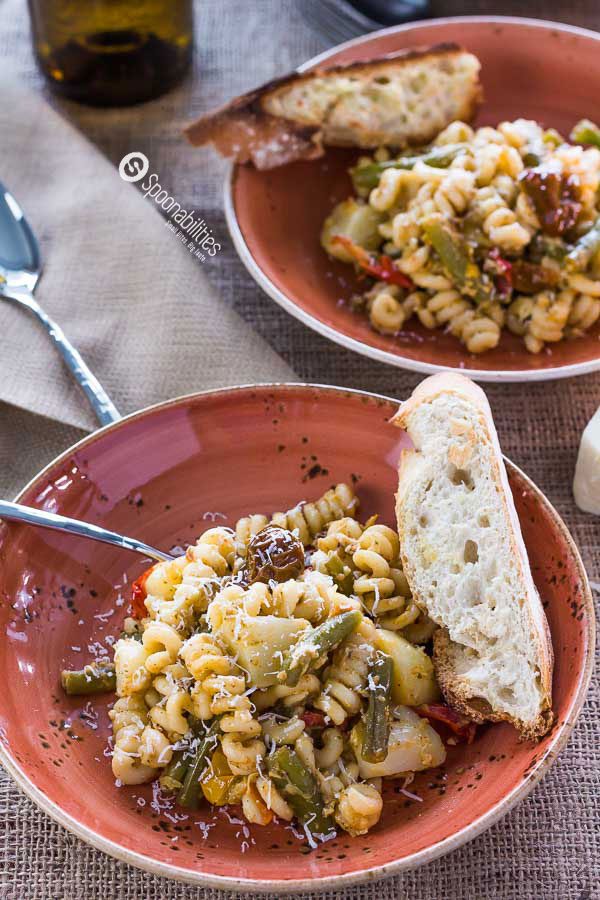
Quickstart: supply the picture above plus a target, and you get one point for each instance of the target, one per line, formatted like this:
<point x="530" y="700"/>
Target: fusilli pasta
<point x="484" y="229"/>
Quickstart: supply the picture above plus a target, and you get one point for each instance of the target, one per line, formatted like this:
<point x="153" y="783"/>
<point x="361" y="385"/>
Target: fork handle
<point x="105" y="410"/>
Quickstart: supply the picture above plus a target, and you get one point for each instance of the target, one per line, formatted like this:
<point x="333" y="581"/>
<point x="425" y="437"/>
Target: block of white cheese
<point x="586" y="484"/>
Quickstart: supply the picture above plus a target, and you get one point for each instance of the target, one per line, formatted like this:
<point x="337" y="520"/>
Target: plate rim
<point x="497" y="376"/>
<point x="421" y="857"/>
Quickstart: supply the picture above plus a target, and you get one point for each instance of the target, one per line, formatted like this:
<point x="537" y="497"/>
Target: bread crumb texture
<point x="460" y="552"/>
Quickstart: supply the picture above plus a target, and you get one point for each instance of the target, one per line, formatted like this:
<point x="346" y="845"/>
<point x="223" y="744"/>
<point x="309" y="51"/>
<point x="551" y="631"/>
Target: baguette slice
<point x="465" y="560"/>
<point x="397" y="100"/>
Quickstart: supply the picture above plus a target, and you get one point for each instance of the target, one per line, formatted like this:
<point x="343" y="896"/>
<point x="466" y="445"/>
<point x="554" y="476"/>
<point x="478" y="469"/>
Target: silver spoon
<point x="19" y="513"/>
<point x="20" y="270"/>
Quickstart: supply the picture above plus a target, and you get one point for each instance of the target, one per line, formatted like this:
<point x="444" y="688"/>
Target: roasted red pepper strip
<point x="313" y="719"/>
<point x="138" y="595"/>
<point x="378" y="266"/>
<point x="458" y="724"/>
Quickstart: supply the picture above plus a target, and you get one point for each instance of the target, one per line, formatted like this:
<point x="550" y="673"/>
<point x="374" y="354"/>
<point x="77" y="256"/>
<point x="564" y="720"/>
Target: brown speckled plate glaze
<point x="164" y="475"/>
<point x="530" y="69"/>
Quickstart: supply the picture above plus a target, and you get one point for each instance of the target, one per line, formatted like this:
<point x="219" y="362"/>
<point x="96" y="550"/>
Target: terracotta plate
<point x="530" y="69"/>
<point x="164" y="475"/>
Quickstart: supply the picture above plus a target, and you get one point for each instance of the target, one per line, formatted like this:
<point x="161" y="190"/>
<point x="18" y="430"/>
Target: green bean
<point x="341" y="573"/>
<point x="97" y="677"/>
<point x="189" y="795"/>
<point x="367" y="176"/>
<point x="300" y="789"/>
<point x="586" y="132"/>
<point x="173" y="775"/>
<point x="456" y="258"/>
<point x="376" y="734"/>
<point x="582" y="251"/>
<point x="318" y="642"/>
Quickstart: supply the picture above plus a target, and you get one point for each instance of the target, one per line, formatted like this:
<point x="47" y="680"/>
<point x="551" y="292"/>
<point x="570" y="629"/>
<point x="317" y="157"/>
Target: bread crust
<point x="455" y="691"/>
<point x="245" y="130"/>
<point x="476" y="708"/>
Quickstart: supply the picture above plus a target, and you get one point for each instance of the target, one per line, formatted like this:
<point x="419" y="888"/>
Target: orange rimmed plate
<point x="165" y="474"/>
<point x="530" y="69"/>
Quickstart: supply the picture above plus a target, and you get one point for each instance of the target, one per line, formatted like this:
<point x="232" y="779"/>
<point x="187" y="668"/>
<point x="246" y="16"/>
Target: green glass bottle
<point x="112" y="52"/>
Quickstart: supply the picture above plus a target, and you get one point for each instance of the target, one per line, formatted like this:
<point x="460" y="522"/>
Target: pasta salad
<point x="282" y="666"/>
<point x="482" y="230"/>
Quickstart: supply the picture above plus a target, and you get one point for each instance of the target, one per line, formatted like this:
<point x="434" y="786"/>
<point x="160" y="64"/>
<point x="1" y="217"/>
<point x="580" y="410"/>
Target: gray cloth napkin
<point x="132" y="298"/>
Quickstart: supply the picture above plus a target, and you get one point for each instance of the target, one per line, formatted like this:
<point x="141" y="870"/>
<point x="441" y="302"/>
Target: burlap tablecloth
<point x="549" y="846"/>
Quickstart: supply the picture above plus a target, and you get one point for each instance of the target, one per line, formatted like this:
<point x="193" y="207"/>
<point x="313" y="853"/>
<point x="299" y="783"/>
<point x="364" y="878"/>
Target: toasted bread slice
<point x="403" y="99"/>
<point x="465" y="560"/>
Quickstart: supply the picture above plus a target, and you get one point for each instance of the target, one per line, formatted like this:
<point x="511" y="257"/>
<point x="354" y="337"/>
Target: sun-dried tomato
<point x="555" y="197"/>
<point x="459" y="725"/>
<point x="519" y="275"/>
<point x="313" y="719"/>
<point x="529" y="278"/>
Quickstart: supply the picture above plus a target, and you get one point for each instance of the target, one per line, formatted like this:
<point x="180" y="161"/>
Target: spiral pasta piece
<point x="129" y="717"/>
<point x="333" y="746"/>
<point x="454" y="133"/>
<point x="395" y="183"/>
<point x="345" y="679"/>
<point x="454" y="193"/>
<point x="177" y="592"/>
<point x="282" y="732"/>
<point x="220" y="690"/>
<point x="246" y="528"/>
<point x="541" y="318"/>
<point x="161" y="644"/>
<point x="309" y="519"/>
<point x="131" y="672"/>
<point x="340" y="535"/>
<point x="359" y="808"/>
<point x="273" y="799"/>
<point x="447" y="308"/>
<point x="261" y="801"/>
<point x="387" y="313"/>
<point x="585" y="311"/>
<point x="164" y="577"/>
<point x="499" y="222"/>
<point x="308" y="686"/>
<point x="214" y="548"/>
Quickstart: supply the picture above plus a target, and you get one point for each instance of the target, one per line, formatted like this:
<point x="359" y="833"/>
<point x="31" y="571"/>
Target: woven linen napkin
<point x="128" y="293"/>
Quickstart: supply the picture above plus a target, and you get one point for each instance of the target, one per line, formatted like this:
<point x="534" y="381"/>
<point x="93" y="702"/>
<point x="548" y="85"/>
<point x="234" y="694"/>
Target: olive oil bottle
<point x="112" y="52"/>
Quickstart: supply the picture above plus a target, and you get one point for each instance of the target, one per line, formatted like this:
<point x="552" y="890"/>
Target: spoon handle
<point x="31" y="516"/>
<point x="105" y="410"/>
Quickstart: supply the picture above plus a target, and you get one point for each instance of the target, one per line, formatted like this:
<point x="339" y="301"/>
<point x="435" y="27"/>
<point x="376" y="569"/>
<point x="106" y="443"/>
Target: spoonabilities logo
<point x="191" y="229"/>
<point x="134" y="166"/>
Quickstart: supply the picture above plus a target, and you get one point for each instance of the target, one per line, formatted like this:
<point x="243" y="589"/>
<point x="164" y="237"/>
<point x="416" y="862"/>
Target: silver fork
<point x="20" y="271"/>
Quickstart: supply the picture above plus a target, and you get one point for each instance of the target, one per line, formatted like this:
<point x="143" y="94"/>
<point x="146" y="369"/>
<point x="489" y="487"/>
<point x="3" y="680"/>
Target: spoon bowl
<point x="20" y="271"/>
